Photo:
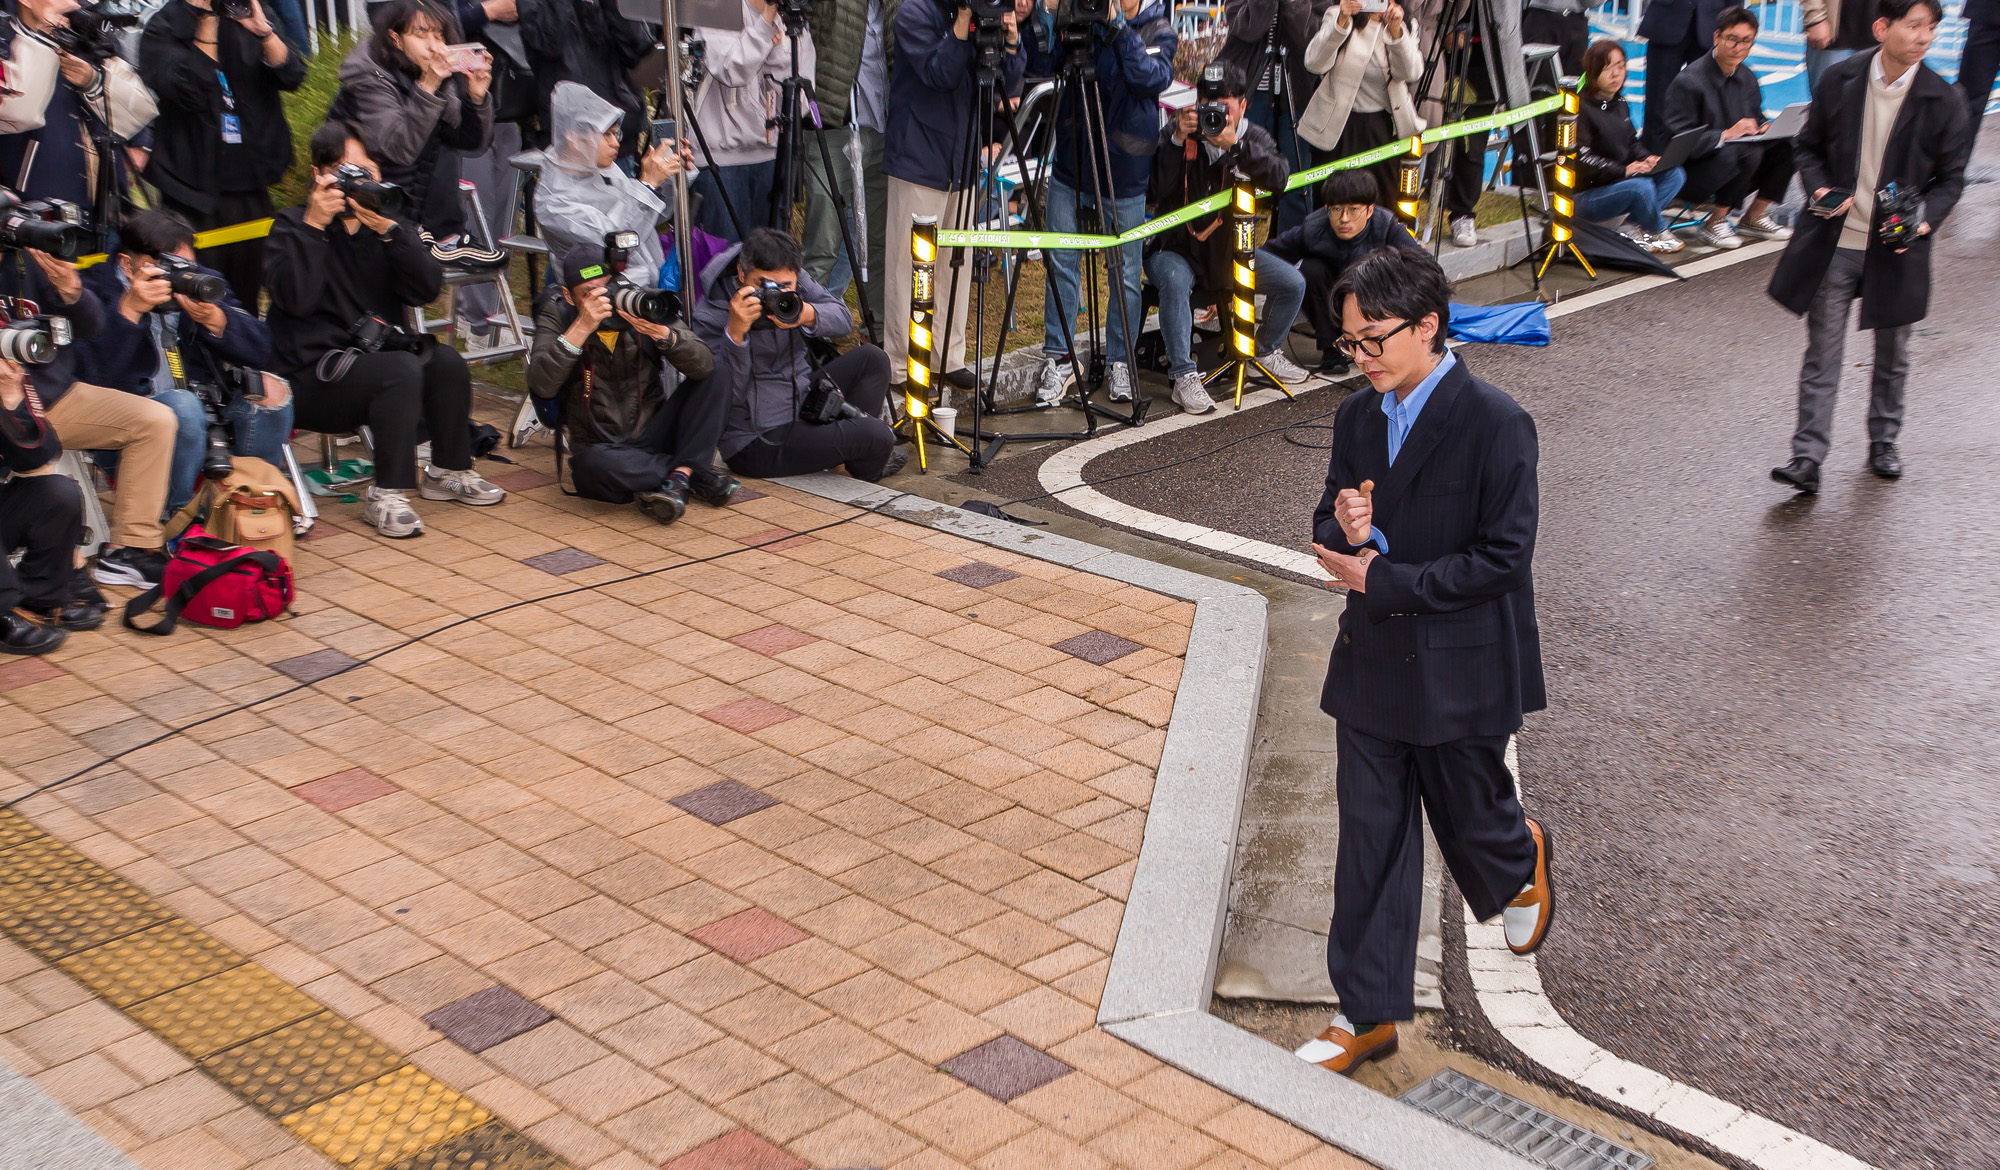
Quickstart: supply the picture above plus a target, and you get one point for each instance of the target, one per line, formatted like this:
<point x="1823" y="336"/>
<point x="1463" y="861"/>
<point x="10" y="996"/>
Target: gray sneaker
<point x="1058" y="375"/>
<point x="464" y="486"/>
<point x="1464" y="234"/>
<point x="1190" y="395"/>
<point x="1717" y="233"/>
<point x="388" y="509"/>
<point x="1283" y="368"/>
<point x="1121" y="382"/>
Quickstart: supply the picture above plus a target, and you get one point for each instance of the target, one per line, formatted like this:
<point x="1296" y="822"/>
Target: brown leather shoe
<point x="1338" y="1050"/>
<point x="1527" y="917"/>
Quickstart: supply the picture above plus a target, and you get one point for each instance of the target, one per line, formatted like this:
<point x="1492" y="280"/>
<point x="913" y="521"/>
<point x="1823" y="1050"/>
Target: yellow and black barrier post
<point x="1562" y="190"/>
<point x="923" y="341"/>
<point x="1243" y="296"/>
<point x="1410" y="185"/>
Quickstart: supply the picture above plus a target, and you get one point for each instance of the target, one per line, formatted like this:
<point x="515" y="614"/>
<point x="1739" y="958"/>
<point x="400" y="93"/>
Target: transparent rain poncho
<point x="577" y="201"/>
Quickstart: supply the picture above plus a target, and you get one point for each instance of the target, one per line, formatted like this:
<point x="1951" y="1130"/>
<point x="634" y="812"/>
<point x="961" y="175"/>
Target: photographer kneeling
<point x="341" y="272"/>
<point x="606" y="363"/>
<point x="785" y="418"/>
<point x="177" y="335"/>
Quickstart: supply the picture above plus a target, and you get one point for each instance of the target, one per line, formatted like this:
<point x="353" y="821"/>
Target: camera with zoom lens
<point x="1069" y="12"/>
<point x="90" y="32"/>
<point x="781" y="305"/>
<point x="234" y="9"/>
<point x="217" y="460"/>
<point x="824" y="403"/>
<point x="655" y="305"/>
<point x="374" y="335"/>
<point x="1211" y="116"/>
<point x="32" y="341"/>
<point x="368" y="191"/>
<point x="55" y="226"/>
<point x="185" y="277"/>
<point x="1899" y="211"/>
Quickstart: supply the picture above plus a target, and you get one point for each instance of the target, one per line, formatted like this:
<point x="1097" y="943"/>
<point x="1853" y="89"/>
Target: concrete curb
<point x="1163" y="967"/>
<point x="36" y="1133"/>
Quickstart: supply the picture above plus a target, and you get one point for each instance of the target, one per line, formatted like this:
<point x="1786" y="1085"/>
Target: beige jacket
<point x="1340" y="56"/>
<point x="1812" y="12"/>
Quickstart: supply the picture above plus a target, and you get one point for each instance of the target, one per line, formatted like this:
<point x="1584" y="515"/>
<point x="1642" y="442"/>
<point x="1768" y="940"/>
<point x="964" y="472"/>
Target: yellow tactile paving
<point x="388" y="1119"/>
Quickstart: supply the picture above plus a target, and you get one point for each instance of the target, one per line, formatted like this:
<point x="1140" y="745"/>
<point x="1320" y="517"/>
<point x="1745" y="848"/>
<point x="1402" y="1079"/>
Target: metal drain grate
<point x="1535" y="1134"/>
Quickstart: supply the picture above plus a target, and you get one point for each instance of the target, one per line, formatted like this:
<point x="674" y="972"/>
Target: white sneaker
<point x="389" y="511"/>
<point x="1717" y="233"/>
<point x="1283" y="368"/>
<point x="1463" y="233"/>
<point x="1633" y="232"/>
<point x="527" y="424"/>
<point x="1058" y="375"/>
<point x="1190" y="395"/>
<point x="1121" y="382"/>
<point x="1763" y="227"/>
<point x="1666" y="242"/>
<point x="467" y="487"/>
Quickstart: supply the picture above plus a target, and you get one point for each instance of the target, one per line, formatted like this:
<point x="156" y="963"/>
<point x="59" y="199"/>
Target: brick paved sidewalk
<point x="813" y="855"/>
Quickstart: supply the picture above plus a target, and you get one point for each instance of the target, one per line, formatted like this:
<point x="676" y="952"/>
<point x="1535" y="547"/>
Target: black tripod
<point x="792" y="126"/>
<point x="1076" y="84"/>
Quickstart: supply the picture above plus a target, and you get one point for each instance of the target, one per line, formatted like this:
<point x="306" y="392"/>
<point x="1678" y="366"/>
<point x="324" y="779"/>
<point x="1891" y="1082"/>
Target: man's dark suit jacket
<point x="1671" y="22"/>
<point x="1443" y="644"/>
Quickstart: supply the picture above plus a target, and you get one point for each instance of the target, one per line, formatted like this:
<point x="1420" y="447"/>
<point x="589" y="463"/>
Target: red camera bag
<point x="214" y="583"/>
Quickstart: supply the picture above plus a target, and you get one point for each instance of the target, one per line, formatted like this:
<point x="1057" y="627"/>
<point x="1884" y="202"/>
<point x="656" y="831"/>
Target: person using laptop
<point x="1614" y="174"/>
<point x="1718" y="95"/>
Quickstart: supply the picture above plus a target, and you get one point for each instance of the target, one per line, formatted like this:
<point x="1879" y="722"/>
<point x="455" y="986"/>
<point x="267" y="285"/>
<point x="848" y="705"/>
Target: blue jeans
<point x="291" y="20"/>
<point x="1639" y="197"/>
<point x="1283" y="286"/>
<point x="260" y="433"/>
<point x="1065" y="266"/>
<point x="1818" y="61"/>
<point x="749" y="189"/>
<point x="1293" y="205"/>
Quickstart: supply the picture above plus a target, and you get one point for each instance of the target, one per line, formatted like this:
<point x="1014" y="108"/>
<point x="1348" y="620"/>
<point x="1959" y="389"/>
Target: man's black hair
<point x="328" y="144"/>
<point x="1895" y="10"/>
<point x="1734" y="15"/>
<point x="153" y="233"/>
<point x="770" y="250"/>
<point x="1397" y="284"/>
<point x="1346" y="187"/>
<point x="1235" y="80"/>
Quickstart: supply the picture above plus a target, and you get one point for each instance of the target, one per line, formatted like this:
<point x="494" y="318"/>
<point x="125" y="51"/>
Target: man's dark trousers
<point x="1980" y="60"/>
<point x="1663" y="64"/>
<point x="1735" y="170"/>
<point x="43" y="516"/>
<point x="682" y="433"/>
<point x="1434" y="664"/>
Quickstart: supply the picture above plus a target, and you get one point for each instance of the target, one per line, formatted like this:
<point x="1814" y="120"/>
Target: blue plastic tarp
<point x="1522" y="323"/>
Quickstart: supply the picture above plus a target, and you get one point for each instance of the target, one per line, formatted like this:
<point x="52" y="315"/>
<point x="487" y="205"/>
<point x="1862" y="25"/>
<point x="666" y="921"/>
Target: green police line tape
<point x="969" y="239"/>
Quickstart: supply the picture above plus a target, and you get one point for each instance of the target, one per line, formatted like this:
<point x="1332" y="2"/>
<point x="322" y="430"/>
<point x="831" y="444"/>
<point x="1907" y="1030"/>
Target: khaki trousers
<point x="906" y="200"/>
<point x="93" y="418"/>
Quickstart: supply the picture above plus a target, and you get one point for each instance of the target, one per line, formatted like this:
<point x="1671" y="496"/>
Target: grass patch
<point x="305" y="110"/>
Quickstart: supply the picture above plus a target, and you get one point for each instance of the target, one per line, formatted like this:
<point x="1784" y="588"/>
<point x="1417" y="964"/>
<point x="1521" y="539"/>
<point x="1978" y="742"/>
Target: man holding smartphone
<point x="1882" y="126"/>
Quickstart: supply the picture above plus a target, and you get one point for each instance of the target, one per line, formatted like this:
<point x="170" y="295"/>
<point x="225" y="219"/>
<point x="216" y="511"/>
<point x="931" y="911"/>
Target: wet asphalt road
<point x="1769" y="763"/>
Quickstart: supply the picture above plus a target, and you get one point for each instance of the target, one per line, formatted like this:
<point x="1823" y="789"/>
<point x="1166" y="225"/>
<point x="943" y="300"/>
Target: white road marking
<point x="1509" y="986"/>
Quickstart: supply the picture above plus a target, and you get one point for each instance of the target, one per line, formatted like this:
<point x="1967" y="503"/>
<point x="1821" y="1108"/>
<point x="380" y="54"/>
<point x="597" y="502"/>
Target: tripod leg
<point x="708" y="156"/>
<point x="868" y="320"/>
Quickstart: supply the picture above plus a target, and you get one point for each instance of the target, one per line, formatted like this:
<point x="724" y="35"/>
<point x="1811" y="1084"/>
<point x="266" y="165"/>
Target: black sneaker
<point x="1334" y="364"/>
<point x="666" y="503"/>
<point x="22" y="632"/>
<point x="898" y="458"/>
<point x="141" y="568"/>
<point x="1884" y="460"/>
<point x="712" y="487"/>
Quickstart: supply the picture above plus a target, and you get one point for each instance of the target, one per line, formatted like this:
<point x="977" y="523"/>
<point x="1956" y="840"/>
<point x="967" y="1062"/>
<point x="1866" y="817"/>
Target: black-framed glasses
<point x="1370" y="346"/>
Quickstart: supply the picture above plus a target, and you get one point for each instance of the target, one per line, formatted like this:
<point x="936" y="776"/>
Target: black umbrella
<point x="1607" y="246"/>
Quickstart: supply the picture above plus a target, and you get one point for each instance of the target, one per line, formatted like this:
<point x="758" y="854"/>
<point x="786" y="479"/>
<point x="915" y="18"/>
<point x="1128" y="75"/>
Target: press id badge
<point x="232" y="130"/>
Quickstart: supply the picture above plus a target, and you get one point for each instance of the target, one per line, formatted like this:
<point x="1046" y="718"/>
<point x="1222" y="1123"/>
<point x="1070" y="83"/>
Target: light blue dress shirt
<point x="1402" y="415"/>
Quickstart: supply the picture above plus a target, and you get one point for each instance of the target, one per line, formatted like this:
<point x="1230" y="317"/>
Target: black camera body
<point x="1899" y="211"/>
<point x="781" y="305"/>
<point x="90" y="32"/>
<point x="234" y="9"/>
<point x="186" y="278"/>
<point x="1211" y="116"/>
<point x="55" y="226"/>
<point x="1069" y="12"/>
<point x="824" y="403"/>
<point x="374" y="335"/>
<point x="369" y="192"/>
<point x="656" y="305"/>
<point x="32" y="340"/>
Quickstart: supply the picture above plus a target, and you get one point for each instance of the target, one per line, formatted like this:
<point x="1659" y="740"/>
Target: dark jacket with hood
<point x="589" y="43"/>
<point x="187" y="162"/>
<point x="20" y="276"/>
<point x="932" y="84"/>
<point x="1255" y="25"/>
<point x="125" y="357"/>
<point x="768" y="374"/>
<point x="1926" y="153"/>
<point x="624" y="390"/>
<point x="1135" y="62"/>
<point x="1606" y="141"/>
<point x="1316" y="238"/>
<point x="1195" y="169"/>
<point x="414" y="136"/>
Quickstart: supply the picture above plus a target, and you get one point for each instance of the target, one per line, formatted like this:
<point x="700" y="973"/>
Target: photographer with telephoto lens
<point x="342" y="276"/>
<point x="41" y="516"/>
<point x="177" y="335"/>
<point x="221" y="139"/>
<point x="75" y="97"/>
<point x="1131" y="45"/>
<point x="628" y="438"/>
<point x="756" y="306"/>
